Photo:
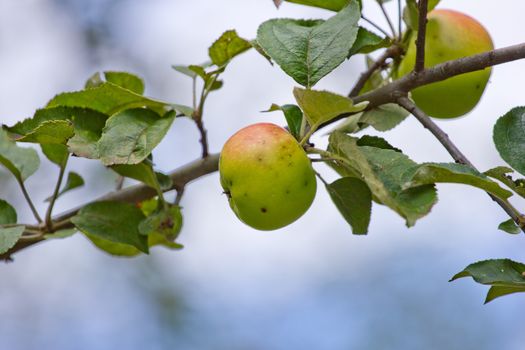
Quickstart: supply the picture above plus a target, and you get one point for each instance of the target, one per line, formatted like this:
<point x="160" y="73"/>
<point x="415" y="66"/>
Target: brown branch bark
<point x="398" y="88"/>
<point x="454" y="151"/>
<point x="421" y="32"/>
<point x="392" y="51"/>
<point x="180" y="178"/>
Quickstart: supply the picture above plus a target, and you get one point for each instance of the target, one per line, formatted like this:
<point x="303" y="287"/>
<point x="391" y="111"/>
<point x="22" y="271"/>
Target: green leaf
<point x="131" y="135"/>
<point x="354" y="200"/>
<point x="51" y="132"/>
<point x="7" y="213"/>
<point x="375" y="141"/>
<point x="334" y="5"/>
<point x="384" y="117"/>
<point x="73" y="181"/>
<point x="88" y="130"/>
<point x="501" y="174"/>
<point x="430" y="173"/>
<point x="227" y="47"/>
<point x="383" y="170"/>
<point x="142" y="172"/>
<point x="322" y="106"/>
<point x="503" y="275"/>
<point x="154" y="238"/>
<point x="108" y="98"/>
<point x="367" y="42"/>
<point x="293" y="115"/>
<point x="56" y="153"/>
<point x="9" y="237"/>
<point x="61" y="234"/>
<point x="21" y="162"/>
<point x="509" y="138"/>
<point x="167" y="223"/>
<point x="309" y="50"/>
<point x="113" y="221"/>
<point x="509" y="226"/>
<point x="192" y="71"/>
<point x="126" y="80"/>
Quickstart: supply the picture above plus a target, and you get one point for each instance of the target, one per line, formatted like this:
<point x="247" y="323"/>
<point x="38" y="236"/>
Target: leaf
<point x="88" y="130"/>
<point x="309" y="50"/>
<point x="509" y="226"/>
<point x="509" y="138"/>
<point x="500" y="173"/>
<point x="167" y="223"/>
<point x="53" y="131"/>
<point x="322" y="106"/>
<point x="113" y="221"/>
<point x="227" y="47"/>
<point x="367" y="41"/>
<point x="293" y="115"/>
<point x="142" y="172"/>
<point x="375" y="141"/>
<point x="383" y="170"/>
<point x="21" y="162"/>
<point x="9" y="237"/>
<point x="131" y="135"/>
<point x="430" y="173"/>
<point x="108" y="98"/>
<point x="334" y="5"/>
<point x="503" y="275"/>
<point x="7" y="213"/>
<point x="384" y="117"/>
<point x="354" y="200"/>
<point x="126" y="80"/>
<point x="56" y="153"/>
<point x="74" y="180"/>
<point x="65" y="233"/>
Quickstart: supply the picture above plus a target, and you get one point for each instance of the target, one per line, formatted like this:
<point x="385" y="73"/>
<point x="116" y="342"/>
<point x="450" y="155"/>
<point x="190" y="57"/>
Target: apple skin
<point x="267" y="176"/>
<point x="450" y="35"/>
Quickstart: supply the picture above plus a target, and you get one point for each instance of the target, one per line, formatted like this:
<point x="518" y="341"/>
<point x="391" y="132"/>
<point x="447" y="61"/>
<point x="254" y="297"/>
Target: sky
<point x="309" y="285"/>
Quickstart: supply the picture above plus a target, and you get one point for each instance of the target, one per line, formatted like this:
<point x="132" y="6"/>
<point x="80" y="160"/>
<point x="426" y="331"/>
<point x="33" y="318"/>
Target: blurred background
<point x="311" y="285"/>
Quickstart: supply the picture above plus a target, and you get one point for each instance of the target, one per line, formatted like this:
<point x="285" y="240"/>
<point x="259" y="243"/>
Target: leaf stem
<point x="373" y="24"/>
<point x="380" y="2"/>
<point x="49" y="212"/>
<point x="29" y="201"/>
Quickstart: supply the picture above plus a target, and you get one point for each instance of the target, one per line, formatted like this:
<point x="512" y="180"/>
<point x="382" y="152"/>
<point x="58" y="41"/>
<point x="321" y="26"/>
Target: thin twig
<point x="390" y="92"/>
<point x="119" y="183"/>
<point x="380" y="2"/>
<point x="454" y="151"/>
<point x="399" y="19"/>
<point x="421" y="32"/>
<point x="203" y="138"/>
<point x="180" y="178"/>
<point x="180" y="193"/>
<point x="373" y="24"/>
<point x="29" y="201"/>
<point x="49" y="212"/>
<point x="392" y="51"/>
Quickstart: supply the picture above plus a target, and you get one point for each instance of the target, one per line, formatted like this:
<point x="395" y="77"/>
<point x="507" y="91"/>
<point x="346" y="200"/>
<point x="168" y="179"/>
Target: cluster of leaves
<point x="112" y="121"/>
<point x="371" y="169"/>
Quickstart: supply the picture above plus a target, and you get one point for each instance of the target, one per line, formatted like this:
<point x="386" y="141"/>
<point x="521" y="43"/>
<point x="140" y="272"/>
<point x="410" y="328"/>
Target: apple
<point x="267" y="176"/>
<point x="450" y="35"/>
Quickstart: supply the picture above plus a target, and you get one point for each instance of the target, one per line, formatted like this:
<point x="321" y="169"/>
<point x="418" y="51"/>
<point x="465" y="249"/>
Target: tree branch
<point x="392" y="51"/>
<point x="134" y="194"/>
<point x="453" y="150"/>
<point x="421" y="32"/>
<point x="391" y="92"/>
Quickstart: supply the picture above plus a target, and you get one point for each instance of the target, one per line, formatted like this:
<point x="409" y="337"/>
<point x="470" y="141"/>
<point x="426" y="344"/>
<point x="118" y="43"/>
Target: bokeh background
<point x="311" y="285"/>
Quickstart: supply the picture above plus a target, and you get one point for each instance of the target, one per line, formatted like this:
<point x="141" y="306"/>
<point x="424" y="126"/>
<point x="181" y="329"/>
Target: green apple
<point x="267" y="176"/>
<point x="450" y="35"/>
